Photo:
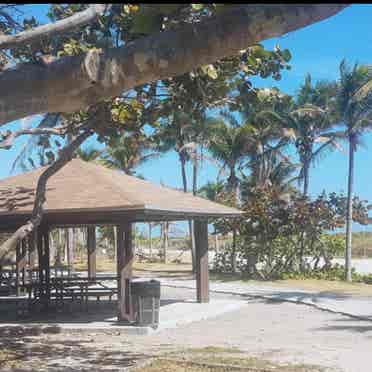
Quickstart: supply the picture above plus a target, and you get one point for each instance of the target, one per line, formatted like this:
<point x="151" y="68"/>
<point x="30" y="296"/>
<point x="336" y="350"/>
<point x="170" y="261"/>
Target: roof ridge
<point x="82" y="186"/>
<point x="114" y="184"/>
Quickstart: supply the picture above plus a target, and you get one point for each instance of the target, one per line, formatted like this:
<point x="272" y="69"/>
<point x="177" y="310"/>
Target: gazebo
<point x="87" y="194"/>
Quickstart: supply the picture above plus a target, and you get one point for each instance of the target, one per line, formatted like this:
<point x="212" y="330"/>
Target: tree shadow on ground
<point x="30" y="350"/>
<point x="101" y="311"/>
<point x="279" y="296"/>
<point x="352" y="325"/>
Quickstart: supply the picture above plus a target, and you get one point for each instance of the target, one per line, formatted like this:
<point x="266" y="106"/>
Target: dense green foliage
<point x="281" y="233"/>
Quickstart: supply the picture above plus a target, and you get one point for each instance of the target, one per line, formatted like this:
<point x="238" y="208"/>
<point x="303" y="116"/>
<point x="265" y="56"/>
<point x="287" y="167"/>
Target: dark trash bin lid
<point x="146" y="288"/>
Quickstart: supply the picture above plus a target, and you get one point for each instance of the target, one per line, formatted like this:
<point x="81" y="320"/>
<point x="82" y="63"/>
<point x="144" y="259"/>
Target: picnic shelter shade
<point x="87" y="194"/>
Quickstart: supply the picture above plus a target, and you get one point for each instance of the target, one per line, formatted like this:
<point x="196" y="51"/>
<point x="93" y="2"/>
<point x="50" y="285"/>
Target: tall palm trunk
<point x="165" y="238"/>
<point x="191" y="229"/>
<point x="194" y="191"/>
<point x="195" y="175"/>
<point x="306" y="177"/>
<point x="150" y="240"/>
<point x="349" y="213"/>
<point x="234" y="187"/>
<point x="306" y="170"/>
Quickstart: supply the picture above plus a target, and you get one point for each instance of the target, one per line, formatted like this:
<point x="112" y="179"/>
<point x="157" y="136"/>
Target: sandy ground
<point x="277" y="331"/>
<point x="361" y="265"/>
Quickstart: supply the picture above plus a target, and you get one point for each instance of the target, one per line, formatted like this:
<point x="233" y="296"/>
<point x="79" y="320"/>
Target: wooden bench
<point x="21" y="303"/>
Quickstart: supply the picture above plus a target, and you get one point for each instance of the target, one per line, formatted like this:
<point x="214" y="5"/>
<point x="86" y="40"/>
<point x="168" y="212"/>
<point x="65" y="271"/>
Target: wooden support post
<point x="18" y="268"/>
<point x="124" y="271"/>
<point x="47" y="264"/>
<point x="70" y="250"/>
<point x="44" y="264"/>
<point x="32" y="243"/>
<point x="202" y="269"/>
<point x="24" y="260"/>
<point x="91" y="244"/>
<point x="40" y="254"/>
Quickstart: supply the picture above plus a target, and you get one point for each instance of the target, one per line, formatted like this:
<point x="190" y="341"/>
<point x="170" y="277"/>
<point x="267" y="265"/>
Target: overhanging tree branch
<point x="72" y="83"/>
<point x="51" y="29"/>
<point x="7" y="143"/>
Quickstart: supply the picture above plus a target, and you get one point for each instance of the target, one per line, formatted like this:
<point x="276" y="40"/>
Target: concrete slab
<point x="180" y="313"/>
<point x="170" y="316"/>
<point x="354" y="306"/>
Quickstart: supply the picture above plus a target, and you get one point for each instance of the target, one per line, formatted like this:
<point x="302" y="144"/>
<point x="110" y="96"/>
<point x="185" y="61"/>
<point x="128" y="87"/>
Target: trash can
<point x="146" y="302"/>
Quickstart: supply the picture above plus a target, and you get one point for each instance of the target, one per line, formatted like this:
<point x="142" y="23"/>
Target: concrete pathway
<point x="351" y="305"/>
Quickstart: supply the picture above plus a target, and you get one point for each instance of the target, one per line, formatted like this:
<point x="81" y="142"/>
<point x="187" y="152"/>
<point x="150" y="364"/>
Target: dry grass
<point x="358" y="289"/>
<point x="106" y="265"/>
<point x="181" y="270"/>
<point x="334" y="286"/>
<point x="9" y="359"/>
<point x="161" y="267"/>
<point x="218" y="360"/>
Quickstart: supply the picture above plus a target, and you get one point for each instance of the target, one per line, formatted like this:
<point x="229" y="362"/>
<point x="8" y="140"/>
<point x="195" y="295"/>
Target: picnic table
<point x="74" y="288"/>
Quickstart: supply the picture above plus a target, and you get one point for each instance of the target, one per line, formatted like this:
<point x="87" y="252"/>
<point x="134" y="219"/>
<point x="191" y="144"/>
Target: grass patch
<point x="218" y="359"/>
<point x="321" y="285"/>
<point x="9" y="359"/>
<point x="215" y="350"/>
<point x="106" y="265"/>
<point x="179" y="270"/>
<point x="161" y="267"/>
<point x="103" y="265"/>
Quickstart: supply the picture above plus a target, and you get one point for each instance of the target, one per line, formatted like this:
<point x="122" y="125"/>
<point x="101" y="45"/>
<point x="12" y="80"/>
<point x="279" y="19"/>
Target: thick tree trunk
<point x="72" y="83"/>
<point x="349" y="212"/>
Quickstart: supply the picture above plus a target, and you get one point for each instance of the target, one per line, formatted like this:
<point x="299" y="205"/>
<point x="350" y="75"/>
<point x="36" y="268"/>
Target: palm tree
<point x="187" y="136"/>
<point x="278" y="175"/>
<point x="127" y="153"/>
<point x="311" y="130"/>
<point x="229" y="144"/>
<point x="312" y="120"/>
<point x="88" y="154"/>
<point x="210" y="191"/>
<point x="308" y="122"/>
<point x="353" y="103"/>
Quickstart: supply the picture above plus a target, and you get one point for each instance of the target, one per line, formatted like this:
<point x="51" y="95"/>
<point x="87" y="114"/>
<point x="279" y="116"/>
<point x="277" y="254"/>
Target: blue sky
<point x="317" y="49"/>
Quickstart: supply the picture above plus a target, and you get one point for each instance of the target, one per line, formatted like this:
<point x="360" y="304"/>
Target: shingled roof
<point x="87" y="187"/>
